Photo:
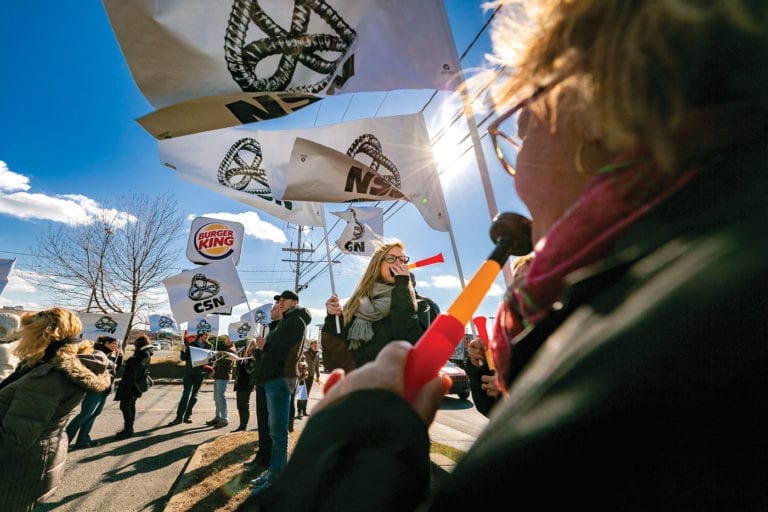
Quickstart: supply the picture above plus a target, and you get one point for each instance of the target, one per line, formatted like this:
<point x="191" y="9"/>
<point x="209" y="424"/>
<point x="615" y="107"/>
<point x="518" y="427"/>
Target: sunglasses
<point x="391" y="258"/>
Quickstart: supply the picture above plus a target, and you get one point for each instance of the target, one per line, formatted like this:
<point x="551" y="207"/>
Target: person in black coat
<point x="382" y="308"/>
<point x="93" y="403"/>
<point x="193" y="377"/>
<point x="632" y="358"/>
<point x="243" y="385"/>
<point x="133" y="383"/>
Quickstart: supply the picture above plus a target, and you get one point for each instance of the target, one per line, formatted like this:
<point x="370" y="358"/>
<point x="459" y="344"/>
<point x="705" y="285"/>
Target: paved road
<point x="138" y="474"/>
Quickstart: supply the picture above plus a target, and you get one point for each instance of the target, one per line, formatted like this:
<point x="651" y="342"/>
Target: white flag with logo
<point x="213" y="288"/>
<point x="203" y="324"/>
<point x="104" y="324"/>
<point x="242" y="330"/>
<point x="162" y="322"/>
<point x="393" y="156"/>
<point x="6" y="267"/>
<point x="364" y="231"/>
<point x="231" y="162"/>
<point x="260" y="315"/>
<point x="216" y="61"/>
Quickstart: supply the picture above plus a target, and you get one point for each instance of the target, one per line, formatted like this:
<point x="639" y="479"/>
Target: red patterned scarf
<point x="614" y="200"/>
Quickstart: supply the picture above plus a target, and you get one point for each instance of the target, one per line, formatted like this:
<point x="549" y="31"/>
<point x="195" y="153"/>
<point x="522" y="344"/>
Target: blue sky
<point x="70" y="143"/>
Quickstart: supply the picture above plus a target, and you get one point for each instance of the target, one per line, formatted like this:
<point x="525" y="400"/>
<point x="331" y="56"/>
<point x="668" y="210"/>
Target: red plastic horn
<point x="482" y="331"/>
<point x="512" y="235"/>
<point x="437" y="258"/>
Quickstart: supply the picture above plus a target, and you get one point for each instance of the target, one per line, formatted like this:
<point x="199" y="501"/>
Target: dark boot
<point x="125" y="433"/>
<point x="188" y="412"/>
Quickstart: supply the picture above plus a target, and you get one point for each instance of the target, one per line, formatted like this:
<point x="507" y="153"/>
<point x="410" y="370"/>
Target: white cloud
<point x="254" y="226"/>
<point x="40" y="206"/>
<point x="71" y="209"/>
<point x="22" y="282"/>
<point x="11" y="181"/>
<point x="495" y="291"/>
<point x="449" y="282"/>
<point x="446" y="282"/>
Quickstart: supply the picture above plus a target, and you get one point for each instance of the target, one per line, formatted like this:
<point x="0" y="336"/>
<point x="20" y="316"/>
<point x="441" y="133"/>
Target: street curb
<point x="192" y="462"/>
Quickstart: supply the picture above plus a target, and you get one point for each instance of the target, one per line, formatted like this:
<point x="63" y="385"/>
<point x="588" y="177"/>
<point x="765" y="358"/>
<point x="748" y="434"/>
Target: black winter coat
<point x="403" y="323"/>
<point x="281" y="351"/>
<point x="135" y="371"/>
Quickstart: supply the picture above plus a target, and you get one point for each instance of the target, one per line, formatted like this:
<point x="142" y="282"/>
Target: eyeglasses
<point x="508" y="146"/>
<point x="391" y="258"/>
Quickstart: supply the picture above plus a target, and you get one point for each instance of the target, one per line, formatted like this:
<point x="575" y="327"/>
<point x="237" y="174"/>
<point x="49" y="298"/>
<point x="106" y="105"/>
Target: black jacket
<point x="403" y="323"/>
<point x="281" y="352"/>
<point x="115" y="358"/>
<point x="646" y="393"/>
<point x="134" y="371"/>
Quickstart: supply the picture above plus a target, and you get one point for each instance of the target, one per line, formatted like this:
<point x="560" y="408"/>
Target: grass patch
<point x="449" y="451"/>
<point x="168" y="367"/>
<point x="217" y="482"/>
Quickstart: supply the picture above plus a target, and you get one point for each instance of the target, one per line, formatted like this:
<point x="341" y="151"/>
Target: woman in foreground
<point x="640" y="384"/>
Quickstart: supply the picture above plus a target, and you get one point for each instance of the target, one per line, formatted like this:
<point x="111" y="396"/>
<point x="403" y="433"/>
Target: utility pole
<point x="299" y="250"/>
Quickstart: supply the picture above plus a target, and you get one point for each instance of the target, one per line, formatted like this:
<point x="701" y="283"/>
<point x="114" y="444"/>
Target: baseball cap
<point x="288" y="294"/>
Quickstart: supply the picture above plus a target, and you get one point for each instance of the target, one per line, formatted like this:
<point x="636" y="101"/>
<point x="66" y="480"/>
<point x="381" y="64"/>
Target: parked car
<point x="165" y="345"/>
<point x="155" y="345"/>
<point x="459" y="377"/>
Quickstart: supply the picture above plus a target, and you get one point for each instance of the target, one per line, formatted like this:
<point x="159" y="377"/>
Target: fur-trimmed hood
<point x="87" y="371"/>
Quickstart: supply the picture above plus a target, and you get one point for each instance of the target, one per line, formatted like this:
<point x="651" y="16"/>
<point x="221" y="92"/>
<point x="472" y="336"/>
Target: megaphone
<point x="437" y="258"/>
<point x="199" y="356"/>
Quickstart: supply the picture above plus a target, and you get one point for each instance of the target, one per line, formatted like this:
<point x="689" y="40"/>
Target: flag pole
<point x="482" y="167"/>
<point x="330" y="268"/>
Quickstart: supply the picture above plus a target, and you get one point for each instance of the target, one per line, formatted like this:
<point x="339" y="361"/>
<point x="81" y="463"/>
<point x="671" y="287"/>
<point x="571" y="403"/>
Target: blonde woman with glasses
<point x="382" y="308"/>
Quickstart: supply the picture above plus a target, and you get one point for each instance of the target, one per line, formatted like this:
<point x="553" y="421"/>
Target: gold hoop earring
<point x="577" y="159"/>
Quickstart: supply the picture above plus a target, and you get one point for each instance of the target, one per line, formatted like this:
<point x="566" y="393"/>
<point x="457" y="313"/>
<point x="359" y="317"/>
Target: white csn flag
<point x="242" y="330"/>
<point x="231" y="162"/>
<point x="6" y="267"/>
<point x="162" y="322"/>
<point x="260" y="315"/>
<point x="364" y="230"/>
<point x="393" y="156"/>
<point x="215" y="287"/>
<point x="203" y="324"/>
<point x="207" y="65"/>
<point x="104" y="324"/>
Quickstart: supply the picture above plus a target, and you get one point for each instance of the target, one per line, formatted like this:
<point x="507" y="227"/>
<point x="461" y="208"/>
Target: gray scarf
<point x="369" y="311"/>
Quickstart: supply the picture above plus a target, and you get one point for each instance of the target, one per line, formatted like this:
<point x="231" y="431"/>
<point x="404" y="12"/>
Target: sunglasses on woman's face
<point x="391" y="258"/>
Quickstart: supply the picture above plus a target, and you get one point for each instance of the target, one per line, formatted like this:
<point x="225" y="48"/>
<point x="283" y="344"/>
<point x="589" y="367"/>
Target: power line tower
<point x="297" y="260"/>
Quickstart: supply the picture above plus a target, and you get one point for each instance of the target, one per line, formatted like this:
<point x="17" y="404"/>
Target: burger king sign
<point x="214" y="240"/>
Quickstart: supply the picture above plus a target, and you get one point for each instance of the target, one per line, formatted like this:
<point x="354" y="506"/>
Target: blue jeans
<point x="192" y="383"/>
<point x="82" y="424"/>
<point x="220" y="398"/>
<point x="278" y="404"/>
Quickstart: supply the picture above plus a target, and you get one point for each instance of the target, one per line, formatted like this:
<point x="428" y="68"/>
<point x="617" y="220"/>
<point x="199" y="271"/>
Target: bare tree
<point x="113" y="264"/>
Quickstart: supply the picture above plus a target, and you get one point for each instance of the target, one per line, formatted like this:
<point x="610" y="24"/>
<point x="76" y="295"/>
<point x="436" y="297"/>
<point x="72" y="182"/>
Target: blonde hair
<point x="38" y="330"/>
<point x="642" y="64"/>
<point x="370" y="277"/>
